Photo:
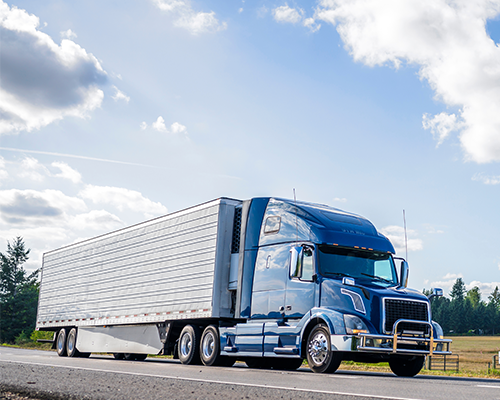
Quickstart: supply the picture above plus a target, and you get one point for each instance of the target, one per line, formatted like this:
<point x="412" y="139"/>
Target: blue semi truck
<point x="267" y="281"/>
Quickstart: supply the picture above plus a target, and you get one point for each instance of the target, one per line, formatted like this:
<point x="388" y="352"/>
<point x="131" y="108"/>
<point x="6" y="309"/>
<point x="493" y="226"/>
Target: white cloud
<point x="67" y="172"/>
<point x="159" y="125"/>
<point x="177" y="128"/>
<point x="144" y="126"/>
<point x="311" y="24"/>
<point x="396" y="235"/>
<point x="96" y="220"/>
<point x="487" y="180"/>
<point x="288" y="14"/>
<point x="187" y="18"/>
<point x="41" y="81"/>
<point x="240" y="10"/>
<point x="448" y="41"/>
<point x="69" y="34"/>
<point x="441" y="125"/>
<point x="33" y="170"/>
<point x="122" y="199"/>
<point x="28" y="206"/>
<point x="340" y="199"/>
<point x="119" y="95"/>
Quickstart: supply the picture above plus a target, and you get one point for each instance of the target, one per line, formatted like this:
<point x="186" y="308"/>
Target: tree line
<point x="464" y="312"/>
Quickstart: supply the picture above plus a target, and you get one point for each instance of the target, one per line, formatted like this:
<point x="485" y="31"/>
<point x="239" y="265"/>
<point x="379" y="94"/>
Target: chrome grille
<point x="405" y="309"/>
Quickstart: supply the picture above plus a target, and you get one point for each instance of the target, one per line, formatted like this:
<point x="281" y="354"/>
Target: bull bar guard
<point x="389" y="343"/>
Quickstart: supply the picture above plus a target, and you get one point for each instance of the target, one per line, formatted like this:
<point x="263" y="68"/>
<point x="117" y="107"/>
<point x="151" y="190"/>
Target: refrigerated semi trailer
<point x="267" y="281"/>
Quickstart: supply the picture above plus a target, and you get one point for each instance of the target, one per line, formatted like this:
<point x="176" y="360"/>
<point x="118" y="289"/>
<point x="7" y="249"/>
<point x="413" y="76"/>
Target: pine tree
<point x="494" y="298"/>
<point x="458" y="290"/>
<point x="18" y="293"/>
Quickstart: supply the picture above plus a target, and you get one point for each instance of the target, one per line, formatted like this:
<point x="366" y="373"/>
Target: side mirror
<point x="296" y="262"/>
<point x="405" y="271"/>
<point x="436" y="292"/>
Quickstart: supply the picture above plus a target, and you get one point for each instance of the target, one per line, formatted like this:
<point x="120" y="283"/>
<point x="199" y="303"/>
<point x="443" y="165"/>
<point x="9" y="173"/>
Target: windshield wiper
<point x="378" y="278"/>
<point x="338" y="274"/>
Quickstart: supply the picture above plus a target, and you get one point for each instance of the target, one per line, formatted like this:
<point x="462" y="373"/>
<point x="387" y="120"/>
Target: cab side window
<point x="307" y="265"/>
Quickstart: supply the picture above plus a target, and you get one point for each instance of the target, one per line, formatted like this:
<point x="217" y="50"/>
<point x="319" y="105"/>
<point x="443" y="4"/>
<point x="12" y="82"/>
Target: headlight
<point x="354" y="325"/>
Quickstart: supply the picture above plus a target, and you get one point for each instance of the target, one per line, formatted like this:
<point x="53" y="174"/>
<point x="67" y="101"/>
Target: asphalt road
<point x="46" y="376"/>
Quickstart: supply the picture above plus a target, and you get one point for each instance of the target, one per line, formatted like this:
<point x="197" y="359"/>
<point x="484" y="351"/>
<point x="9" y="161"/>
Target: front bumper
<point x="403" y="343"/>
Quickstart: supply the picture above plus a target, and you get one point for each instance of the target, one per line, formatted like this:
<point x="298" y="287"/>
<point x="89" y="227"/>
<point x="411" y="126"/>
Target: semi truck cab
<point x="324" y="285"/>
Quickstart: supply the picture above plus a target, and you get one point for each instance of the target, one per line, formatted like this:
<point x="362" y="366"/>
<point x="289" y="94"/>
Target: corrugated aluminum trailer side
<point x="172" y="267"/>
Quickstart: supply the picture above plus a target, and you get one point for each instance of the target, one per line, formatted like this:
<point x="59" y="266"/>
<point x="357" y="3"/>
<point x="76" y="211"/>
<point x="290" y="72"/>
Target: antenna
<point x="406" y="237"/>
<point x="296" y="223"/>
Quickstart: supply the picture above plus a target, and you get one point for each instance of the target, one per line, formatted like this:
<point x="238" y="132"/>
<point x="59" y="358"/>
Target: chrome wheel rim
<point x="318" y="348"/>
<point x="186" y="343"/>
<point x="207" y="346"/>
<point x="60" y="342"/>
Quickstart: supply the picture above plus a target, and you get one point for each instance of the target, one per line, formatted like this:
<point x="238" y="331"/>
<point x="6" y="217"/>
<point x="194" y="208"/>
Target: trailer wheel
<point x="320" y="356"/>
<point x="141" y="357"/>
<point x="129" y="356"/>
<point x="189" y="345"/>
<point x="406" y="366"/>
<point x="210" y="346"/>
<point x="118" y="356"/>
<point x="61" y="343"/>
<point x="71" y="344"/>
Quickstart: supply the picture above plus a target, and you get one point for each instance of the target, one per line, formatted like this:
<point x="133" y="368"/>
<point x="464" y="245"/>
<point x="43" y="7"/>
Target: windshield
<point x="359" y="264"/>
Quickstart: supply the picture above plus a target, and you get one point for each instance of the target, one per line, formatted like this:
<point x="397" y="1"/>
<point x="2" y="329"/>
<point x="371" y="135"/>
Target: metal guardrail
<point x="443" y="363"/>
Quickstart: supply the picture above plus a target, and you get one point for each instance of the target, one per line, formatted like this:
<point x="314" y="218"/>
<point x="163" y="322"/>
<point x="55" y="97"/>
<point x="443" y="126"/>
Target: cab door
<point x="301" y="288"/>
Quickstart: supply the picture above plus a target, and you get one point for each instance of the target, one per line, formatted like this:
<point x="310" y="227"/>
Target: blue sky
<point x="114" y="112"/>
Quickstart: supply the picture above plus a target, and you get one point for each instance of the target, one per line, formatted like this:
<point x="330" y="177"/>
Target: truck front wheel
<point x="406" y="366"/>
<point x="189" y="345"/>
<point x="320" y="356"/>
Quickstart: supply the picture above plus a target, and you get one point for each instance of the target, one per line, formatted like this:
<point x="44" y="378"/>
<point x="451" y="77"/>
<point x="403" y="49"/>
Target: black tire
<point x="118" y="356"/>
<point x="141" y="357"/>
<point x="61" y="343"/>
<point x="71" y="350"/>
<point x="406" y="366"/>
<point x="129" y="356"/>
<point x="210" y="346"/>
<point x="320" y="356"/>
<point x="286" y="364"/>
<point x="189" y="345"/>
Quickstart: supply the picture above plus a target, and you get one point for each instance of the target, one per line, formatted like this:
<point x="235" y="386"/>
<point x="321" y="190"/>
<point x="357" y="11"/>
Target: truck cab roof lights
<point x="348" y="281"/>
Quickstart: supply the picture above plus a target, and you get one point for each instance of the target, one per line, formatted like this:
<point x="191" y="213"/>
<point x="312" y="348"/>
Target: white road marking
<point x="215" y="381"/>
<point x="489" y="386"/>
